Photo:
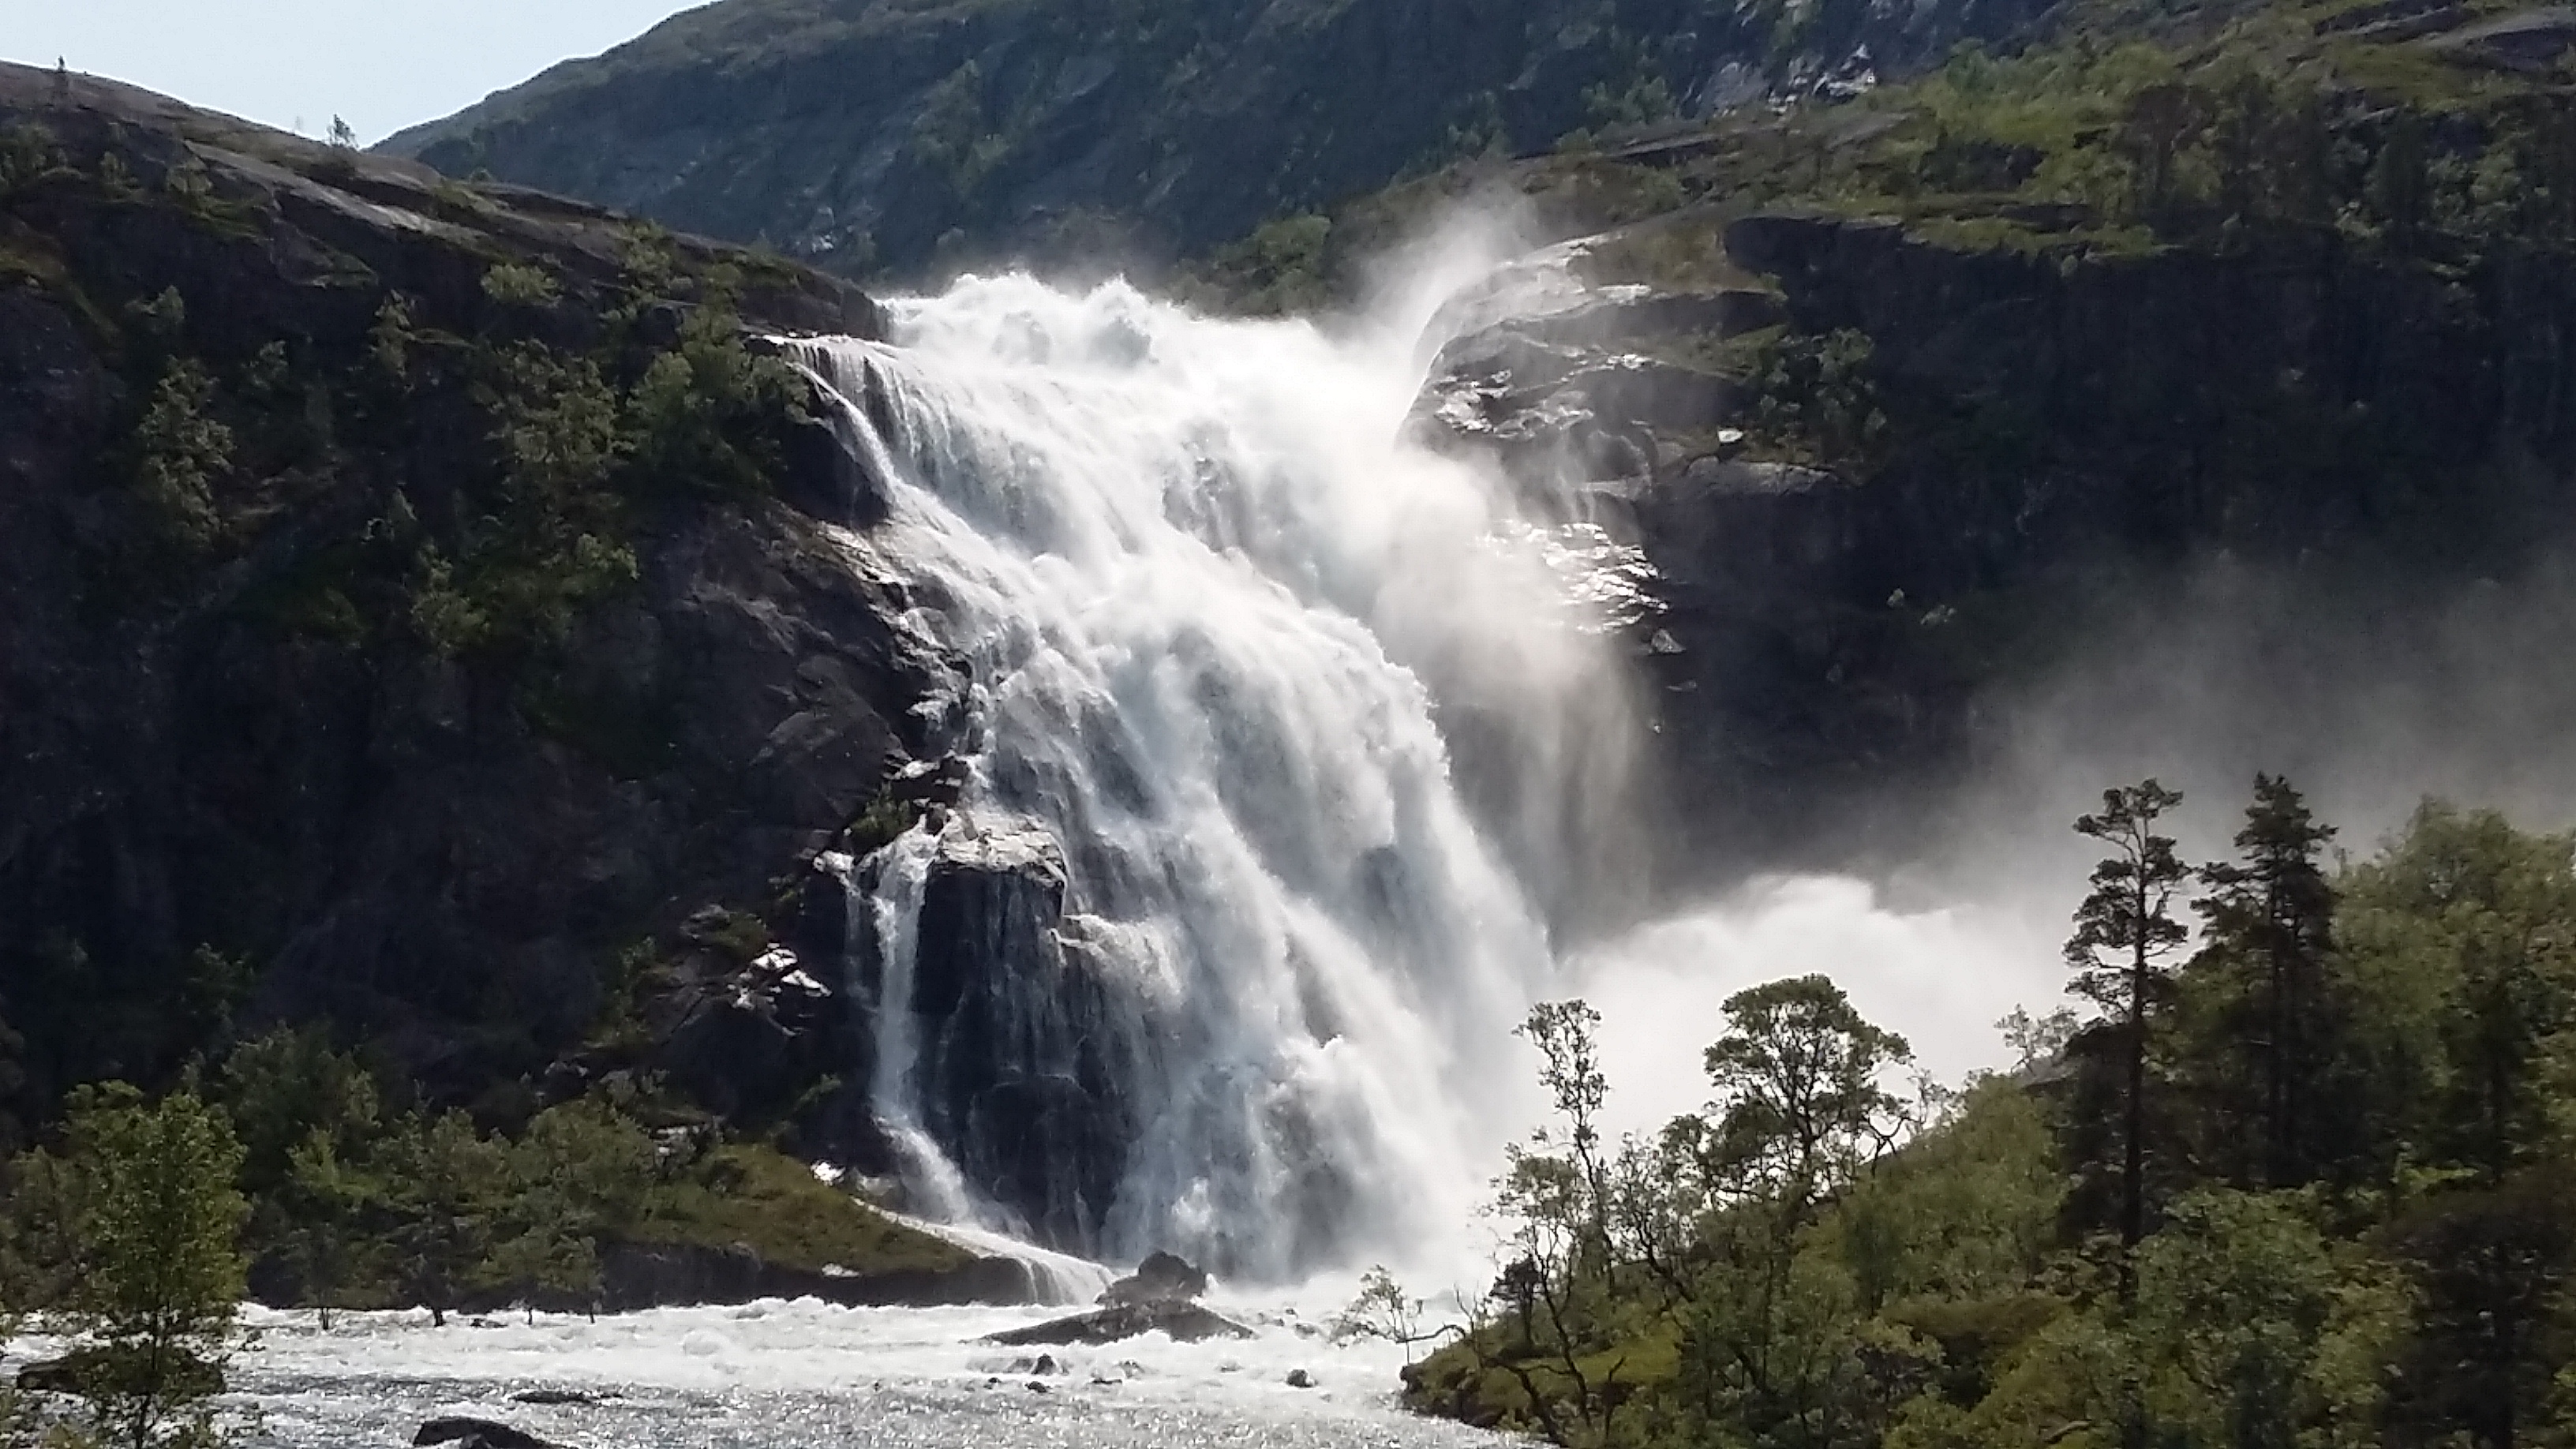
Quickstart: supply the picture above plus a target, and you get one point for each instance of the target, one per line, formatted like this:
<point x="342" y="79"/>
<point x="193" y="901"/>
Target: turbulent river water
<point x="806" y="1376"/>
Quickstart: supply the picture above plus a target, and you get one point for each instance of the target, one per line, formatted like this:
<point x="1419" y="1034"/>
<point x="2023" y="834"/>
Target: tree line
<point x="137" y="1228"/>
<point x="2302" y="1172"/>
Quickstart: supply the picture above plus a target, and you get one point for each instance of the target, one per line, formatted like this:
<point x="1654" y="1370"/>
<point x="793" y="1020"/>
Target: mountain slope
<point x="890" y="135"/>
<point x="368" y="652"/>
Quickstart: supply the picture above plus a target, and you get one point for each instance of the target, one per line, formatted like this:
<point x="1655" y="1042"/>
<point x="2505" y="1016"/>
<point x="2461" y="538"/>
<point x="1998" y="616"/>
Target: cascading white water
<point x="1196" y="585"/>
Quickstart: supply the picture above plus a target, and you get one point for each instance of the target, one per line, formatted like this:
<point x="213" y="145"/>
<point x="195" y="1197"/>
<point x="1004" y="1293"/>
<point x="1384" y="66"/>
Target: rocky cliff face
<point x="2023" y="436"/>
<point x="865" y="135"/>
<point x="331" y="686"/>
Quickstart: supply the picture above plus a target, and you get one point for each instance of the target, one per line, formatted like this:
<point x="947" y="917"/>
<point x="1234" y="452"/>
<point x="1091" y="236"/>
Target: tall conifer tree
<point x="2124" y="932"/>
<point x="2270" y="917"/>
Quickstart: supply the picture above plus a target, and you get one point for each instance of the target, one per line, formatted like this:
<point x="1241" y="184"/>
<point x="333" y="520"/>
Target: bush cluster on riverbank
<point x="287" y="1170"/>
<point x="2306" y="1185"/>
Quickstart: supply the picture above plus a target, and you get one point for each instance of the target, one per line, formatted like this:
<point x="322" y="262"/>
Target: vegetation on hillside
<point x="449" y="469"/>
<point x="451" y="474"/>
<point x="1125" y="132"/>
<point x="2305" y="1184"/>
<point x="2123" y="126"/>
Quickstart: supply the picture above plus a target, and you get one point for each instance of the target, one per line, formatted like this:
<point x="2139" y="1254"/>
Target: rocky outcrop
<point x="1184" y="1321"/>
<point x="1161" y="1278"/>
<point x="471" y="1433"/>
<point x="2057" y="422"/>
<point x="1023" y="1041"/>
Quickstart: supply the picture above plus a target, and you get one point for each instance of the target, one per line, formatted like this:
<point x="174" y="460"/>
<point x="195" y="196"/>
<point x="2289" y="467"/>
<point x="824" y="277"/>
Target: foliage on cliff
<point x="2305" y="1186"/>
<point x="2107" y="128"/>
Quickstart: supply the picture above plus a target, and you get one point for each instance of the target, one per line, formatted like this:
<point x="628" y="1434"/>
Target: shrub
<point x="513" y="285"/>
<point x="179" y="452"/>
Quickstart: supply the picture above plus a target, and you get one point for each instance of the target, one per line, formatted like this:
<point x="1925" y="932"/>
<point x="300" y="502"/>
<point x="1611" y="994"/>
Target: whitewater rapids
<point x="772" y="1375"/>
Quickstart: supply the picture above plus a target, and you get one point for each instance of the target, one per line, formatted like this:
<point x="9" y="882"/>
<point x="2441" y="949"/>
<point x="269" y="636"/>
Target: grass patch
<point x="772" y="1204"/>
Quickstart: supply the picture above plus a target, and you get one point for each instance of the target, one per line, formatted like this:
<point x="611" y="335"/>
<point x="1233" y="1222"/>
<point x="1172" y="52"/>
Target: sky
<point x="380" y="64"/>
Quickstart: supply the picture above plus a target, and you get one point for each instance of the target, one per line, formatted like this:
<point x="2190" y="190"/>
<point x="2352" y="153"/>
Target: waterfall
<point x="1207" y="951"/>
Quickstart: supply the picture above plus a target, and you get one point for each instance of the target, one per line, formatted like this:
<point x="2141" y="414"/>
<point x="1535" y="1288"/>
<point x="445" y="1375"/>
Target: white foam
<point x="780" y="1374"/>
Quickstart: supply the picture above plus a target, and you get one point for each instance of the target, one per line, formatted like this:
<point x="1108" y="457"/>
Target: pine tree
<point x="2270" y="917"/>
<point x="2124" y="931"/>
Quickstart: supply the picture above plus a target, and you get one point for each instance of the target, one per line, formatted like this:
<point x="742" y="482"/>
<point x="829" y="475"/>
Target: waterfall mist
<point x="1207" y="614"/>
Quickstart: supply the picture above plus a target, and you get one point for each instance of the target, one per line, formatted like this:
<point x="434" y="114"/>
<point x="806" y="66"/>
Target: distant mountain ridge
<point x="891" y="135"/>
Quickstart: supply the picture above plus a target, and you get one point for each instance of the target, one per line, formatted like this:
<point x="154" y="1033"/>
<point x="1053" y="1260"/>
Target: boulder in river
<point x="1161" y="1278"/>
<point x="470" y="1433"/>
<point x="1186" y="1322"/>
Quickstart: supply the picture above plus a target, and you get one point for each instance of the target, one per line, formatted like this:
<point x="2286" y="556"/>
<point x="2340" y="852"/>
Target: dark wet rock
<point x="555" y="1397"/>
<point x="934" y="782"/>
<point x="1026" y="1041"/>
<point x="748" y="1039"/>
<point x="469" y="1433"/>
<point x="1717" y="477"/>
<point x="1186" y="1323"/>
<point x="1161" y="1278"/>
<point x="1300" y="1379"/>
<point x="1624" y="317"/>
<point x="1569" y="396"/>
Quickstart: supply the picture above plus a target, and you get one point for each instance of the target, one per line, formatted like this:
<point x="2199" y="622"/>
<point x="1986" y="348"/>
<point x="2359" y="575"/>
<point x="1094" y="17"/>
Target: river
<point x="773" y="1375"/>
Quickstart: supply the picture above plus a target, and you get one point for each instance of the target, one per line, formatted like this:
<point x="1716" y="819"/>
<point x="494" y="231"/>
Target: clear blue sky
<point x="382" y="64"/>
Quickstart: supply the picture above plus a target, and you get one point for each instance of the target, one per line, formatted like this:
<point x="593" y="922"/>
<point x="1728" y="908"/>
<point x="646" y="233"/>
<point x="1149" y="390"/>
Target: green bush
<point x="180" y="451"/>
<point x="514" y="285"/>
